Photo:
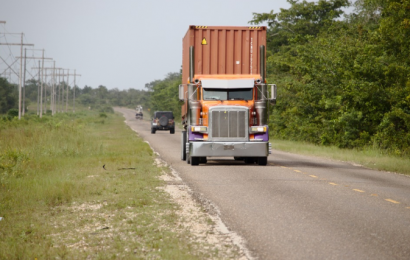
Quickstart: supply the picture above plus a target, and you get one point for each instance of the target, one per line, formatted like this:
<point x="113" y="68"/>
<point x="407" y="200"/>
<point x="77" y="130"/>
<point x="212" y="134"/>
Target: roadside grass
<point x="57" y="201"/>
<point x="368" y="157"/>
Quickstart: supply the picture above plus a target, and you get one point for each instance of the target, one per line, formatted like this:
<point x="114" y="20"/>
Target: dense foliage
<point x="341" y="82"/>
<point x="164" y="94"/>
<point x="8" y="96"/>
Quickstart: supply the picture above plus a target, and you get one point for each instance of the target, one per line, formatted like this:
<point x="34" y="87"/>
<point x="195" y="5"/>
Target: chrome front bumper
<point x="229" y="149"/>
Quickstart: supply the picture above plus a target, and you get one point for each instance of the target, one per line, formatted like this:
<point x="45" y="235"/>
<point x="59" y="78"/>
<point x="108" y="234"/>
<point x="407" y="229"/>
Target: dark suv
<point x="163" y="120"/>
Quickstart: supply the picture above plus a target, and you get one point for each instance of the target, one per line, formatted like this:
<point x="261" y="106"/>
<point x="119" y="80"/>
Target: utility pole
<point x="41" y="88"/>
<point x="45" y="92"/>
<point x="68" y="86"/>
<point x="24" y="81"/>
<point x="21" y="67"/>
<point x="74" y="91"/>
<point x="21" y="74"/>
<point x="38" y="90"/>
<point x="62" y="90"/>
<point x="54" y="97"/>
<point x="59" y="89"/>
<point x="53" y="92"/>
<point x="62" y="95"/>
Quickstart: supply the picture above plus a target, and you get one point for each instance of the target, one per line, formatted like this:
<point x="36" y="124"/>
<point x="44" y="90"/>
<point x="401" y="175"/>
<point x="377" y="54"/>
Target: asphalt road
<point x="298" y="207"/>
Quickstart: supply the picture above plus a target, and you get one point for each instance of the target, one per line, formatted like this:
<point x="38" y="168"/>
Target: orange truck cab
<point x="225" y="94"/>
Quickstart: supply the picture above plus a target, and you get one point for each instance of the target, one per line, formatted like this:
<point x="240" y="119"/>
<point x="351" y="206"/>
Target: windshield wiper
<point x="238" y="98"/>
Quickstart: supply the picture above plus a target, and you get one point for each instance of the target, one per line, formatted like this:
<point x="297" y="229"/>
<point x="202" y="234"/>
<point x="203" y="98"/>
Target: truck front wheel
<point x="249" y="160"/>
<point x="262" y="160"/>
<point x="183" y="146"/>
<point x="195" y="160"/>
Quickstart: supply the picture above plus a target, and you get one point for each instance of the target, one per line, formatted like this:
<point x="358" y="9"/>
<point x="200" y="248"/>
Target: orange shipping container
<point x="222" y="51"/>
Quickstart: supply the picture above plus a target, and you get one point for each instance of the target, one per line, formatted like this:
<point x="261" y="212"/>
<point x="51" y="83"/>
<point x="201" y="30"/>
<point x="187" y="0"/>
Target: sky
<point x="119" y="44"/>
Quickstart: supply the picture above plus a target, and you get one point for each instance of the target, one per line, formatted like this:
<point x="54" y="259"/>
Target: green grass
<point x="370" y="158"/>
<point x="58" y="202"/>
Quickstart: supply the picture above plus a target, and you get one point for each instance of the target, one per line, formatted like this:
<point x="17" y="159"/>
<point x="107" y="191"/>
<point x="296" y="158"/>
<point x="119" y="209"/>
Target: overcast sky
<point x="116" y="43"/>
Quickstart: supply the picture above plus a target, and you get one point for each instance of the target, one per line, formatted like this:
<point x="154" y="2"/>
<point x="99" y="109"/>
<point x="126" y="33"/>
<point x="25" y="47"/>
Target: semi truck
<point x="224" y="94"/>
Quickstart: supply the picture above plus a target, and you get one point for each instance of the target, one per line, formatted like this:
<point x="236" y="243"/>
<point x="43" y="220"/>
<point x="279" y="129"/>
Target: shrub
<point x="106" y="109"/>
<point x="13" y="112"/>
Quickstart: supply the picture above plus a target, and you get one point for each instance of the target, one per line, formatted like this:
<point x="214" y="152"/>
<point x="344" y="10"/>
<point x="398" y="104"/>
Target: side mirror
<point x="272" y="98"/>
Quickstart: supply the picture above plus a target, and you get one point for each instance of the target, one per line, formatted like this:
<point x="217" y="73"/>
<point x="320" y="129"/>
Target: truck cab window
<point x="227" y="94"/>
<point x="240" y="94"/>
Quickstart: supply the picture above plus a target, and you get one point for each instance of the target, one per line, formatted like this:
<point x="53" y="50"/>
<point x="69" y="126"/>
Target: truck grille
<point x="230" y="124"/>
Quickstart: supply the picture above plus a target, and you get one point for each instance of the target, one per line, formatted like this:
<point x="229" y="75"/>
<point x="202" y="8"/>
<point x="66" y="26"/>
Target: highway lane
<point x="299" y="207"/>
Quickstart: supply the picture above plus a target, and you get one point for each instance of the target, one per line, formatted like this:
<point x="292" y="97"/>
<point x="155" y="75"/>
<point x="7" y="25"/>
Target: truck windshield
<point x="227" y="94"/>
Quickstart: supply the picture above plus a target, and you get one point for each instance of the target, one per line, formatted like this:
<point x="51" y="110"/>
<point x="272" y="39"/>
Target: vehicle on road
<point x="225" y="94"/>
<point x="139" y="114"/>
<point x="163" y="121"/>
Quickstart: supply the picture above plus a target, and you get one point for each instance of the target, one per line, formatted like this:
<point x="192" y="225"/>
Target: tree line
<point x="158" y="95"/>
<point x="343" y="78"/>
<point x="99" y="98"/>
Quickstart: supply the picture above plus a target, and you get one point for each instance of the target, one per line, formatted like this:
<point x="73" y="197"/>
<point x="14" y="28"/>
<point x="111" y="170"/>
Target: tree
<point x="300" y="20"/>
<point x="8" y="96"/>
<point x="342" y="82"/>
<point x="164" y="94"/>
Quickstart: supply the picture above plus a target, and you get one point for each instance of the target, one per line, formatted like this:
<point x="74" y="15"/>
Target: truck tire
<point x="249" y="160"/>
<point x="152" y="130"/>
<point x="262" y="160"/>
<point x="172" y="131"/>
<point x="183" y="146"/>
<point x="188" y="157"/>
<point x="195" y="161"/>
<point x="203" y="160"/>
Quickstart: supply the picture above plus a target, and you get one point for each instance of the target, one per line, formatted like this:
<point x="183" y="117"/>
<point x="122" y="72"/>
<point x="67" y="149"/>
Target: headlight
<point x="199" y="129"/>
<point x="258" y="129"/>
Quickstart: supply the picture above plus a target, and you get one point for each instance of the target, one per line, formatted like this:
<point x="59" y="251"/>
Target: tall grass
<point x="57" y="200"/>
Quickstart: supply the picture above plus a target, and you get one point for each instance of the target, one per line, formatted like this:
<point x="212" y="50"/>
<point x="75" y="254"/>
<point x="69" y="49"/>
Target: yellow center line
<point x="392" y="201"/>
<point x="358" y="190"/>
<point x="335" y="184"/>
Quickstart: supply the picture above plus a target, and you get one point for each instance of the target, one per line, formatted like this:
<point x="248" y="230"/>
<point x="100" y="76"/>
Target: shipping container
<point x="223" y="52"/>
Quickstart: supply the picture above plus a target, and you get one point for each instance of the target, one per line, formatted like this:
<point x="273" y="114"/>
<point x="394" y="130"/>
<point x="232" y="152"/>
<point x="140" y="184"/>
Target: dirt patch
<point x="124" y="227"/>
<point x="201" y="217"/>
